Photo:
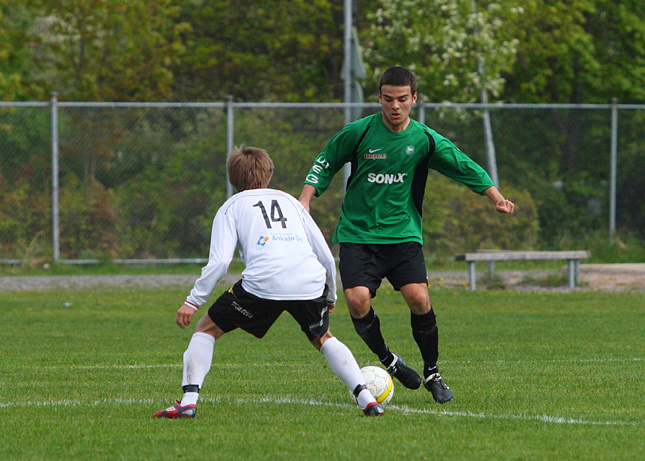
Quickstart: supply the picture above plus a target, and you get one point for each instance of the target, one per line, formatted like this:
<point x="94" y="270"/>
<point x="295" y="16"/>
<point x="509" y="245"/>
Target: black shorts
<point x="367" y="264"/>
<point x="237" y="308"/>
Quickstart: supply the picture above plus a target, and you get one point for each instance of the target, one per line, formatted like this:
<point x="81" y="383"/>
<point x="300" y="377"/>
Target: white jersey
<point x="285" y="254"/>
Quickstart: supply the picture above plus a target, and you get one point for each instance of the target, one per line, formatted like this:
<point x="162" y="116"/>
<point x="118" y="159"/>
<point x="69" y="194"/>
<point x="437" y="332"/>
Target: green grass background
<point x="535" y="376"/>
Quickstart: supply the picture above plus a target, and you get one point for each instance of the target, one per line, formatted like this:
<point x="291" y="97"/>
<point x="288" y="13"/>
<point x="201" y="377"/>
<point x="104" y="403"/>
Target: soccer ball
<point x="379" y="383"/>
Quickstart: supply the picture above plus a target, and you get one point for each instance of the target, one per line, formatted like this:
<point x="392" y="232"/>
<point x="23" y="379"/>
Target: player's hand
<point x="505" y="206"/>
<point x="330" y="307"/>
<point x="184" y="315"/>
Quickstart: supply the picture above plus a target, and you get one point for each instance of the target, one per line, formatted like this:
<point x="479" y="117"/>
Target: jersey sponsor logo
<point x="409" y="150"/>
<point x="323" y="161"/>
<point x="320" y="164"/>
<point x="278" y="238"/>
<point x="286" y="238"/>
<point x="387" y="178"/>
<point x="374" y="156"/>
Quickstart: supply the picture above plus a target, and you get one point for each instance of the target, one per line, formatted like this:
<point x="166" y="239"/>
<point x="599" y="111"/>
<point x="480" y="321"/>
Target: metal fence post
<point x="55" y="185"/>
<point x="422" y="108"/>
<point x="612" y="170"/>
<point x="230" y="127"/>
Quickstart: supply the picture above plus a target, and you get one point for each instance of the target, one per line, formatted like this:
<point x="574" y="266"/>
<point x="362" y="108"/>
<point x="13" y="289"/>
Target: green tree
<point x="16" y="63"/>
<point x="264" y="50"/>
<point x="618" y="29"/>
<point x="579" y="51"/>
<point x="108" y="50"/>
<point x="442" y="42"/>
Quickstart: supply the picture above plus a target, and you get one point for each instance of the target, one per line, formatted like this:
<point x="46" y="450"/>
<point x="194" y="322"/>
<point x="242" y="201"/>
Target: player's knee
<point x="418" y="305"/>
<point x="318" y="342"/>
<point x="418" y="301"/>
<point x="358" y="301"/>
<point x="206" y="325"/>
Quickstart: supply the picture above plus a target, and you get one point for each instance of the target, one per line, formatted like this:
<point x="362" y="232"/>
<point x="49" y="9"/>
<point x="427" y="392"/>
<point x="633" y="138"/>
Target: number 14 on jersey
<point x="276" y="214"/>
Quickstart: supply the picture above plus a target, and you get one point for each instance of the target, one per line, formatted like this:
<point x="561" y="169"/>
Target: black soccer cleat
<point x="406" y="375"/>
<point x="374" y="409"/>
<point x="440" y="391"/>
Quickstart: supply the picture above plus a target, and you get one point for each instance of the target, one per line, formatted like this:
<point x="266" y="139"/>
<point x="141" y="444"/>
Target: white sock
<point x="343" y="364"/>
<point x="189" y="398"/>
<point x="197" y="363"/>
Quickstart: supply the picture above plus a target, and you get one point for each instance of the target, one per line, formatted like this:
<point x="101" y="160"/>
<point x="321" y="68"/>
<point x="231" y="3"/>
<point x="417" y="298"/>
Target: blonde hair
<point x="249" y="168"/>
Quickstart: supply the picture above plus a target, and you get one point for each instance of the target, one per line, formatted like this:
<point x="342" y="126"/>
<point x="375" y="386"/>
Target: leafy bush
<point x="572" y="209"/>
<point x="87" y="220"/>
<point x="457" y="220"/>
<point x="167" y="210"/>
<point x="25" y="220"/>
<point x="627" y="248"/>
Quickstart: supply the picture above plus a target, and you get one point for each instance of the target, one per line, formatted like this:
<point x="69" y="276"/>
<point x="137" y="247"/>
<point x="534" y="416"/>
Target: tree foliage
<point x="265" y="50"/>
<point x="107" y="50"/>
<point x="580" y="51"/>
<point x="453" y="50"/>
<point x="17" y="77"/>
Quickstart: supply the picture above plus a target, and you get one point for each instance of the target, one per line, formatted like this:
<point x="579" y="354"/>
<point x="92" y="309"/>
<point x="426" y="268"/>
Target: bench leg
<point x="571" y="266"/>
<point x="472" y="276"/>
<point x="577" y="270"/>
<point x="491" y="269"/>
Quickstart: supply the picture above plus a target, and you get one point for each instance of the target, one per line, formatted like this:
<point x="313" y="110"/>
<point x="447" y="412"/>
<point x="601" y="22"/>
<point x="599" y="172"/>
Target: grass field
<point x="535" y="376"/>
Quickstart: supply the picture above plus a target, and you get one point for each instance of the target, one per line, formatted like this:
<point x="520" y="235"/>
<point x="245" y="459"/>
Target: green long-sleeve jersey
<point x="384" y="195"/>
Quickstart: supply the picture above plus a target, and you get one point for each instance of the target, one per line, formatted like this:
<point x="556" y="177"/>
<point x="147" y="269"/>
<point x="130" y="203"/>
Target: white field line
<point x="314" y="402"/>
<point x="634" y="359"/>
<point x="238" y="365"/>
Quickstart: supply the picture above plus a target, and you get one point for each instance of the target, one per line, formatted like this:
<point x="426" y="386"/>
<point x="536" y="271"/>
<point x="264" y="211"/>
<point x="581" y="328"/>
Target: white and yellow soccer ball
<point x="379" y="382"/>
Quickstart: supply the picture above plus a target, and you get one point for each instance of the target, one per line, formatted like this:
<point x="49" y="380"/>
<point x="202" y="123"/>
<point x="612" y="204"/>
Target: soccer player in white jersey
<point x="289" y="267"/>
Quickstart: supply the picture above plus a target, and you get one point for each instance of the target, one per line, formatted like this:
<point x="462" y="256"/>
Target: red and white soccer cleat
<point x="177" y="411"/>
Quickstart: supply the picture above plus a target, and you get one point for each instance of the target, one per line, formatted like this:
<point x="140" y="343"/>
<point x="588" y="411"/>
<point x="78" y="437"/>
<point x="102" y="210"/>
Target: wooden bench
<point x="573" y="261"/>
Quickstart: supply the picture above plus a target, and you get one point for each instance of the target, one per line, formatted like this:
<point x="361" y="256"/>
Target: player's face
<point x="396" y="102"/>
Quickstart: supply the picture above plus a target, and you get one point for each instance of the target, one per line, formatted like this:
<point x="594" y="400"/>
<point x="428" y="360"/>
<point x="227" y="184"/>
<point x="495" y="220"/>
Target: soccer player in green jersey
<point x="379" y="230"/>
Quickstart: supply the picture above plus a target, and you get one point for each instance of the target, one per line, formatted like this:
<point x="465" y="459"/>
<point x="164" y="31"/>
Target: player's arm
<point x="323" y="253"/>
<point x="308" y="191"/>
<point x="501" y="204"/>
<point x="335" y="154"/>
<point x="448" y="160"/>
<point x="452" y="162"/>
<point x="222" y="249"/>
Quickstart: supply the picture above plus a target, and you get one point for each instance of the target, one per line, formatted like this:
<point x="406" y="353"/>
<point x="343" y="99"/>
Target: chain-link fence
<point x="140" y="182"/>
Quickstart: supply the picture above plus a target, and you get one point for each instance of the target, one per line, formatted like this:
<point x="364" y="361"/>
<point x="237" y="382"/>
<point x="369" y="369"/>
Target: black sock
<point x="369" y="329"/>
<point x="426" y="334"/>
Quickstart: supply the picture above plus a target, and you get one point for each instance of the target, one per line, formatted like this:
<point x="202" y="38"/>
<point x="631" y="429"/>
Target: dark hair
<point x="249" y="168"/>
<point x="398" y="76"/>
